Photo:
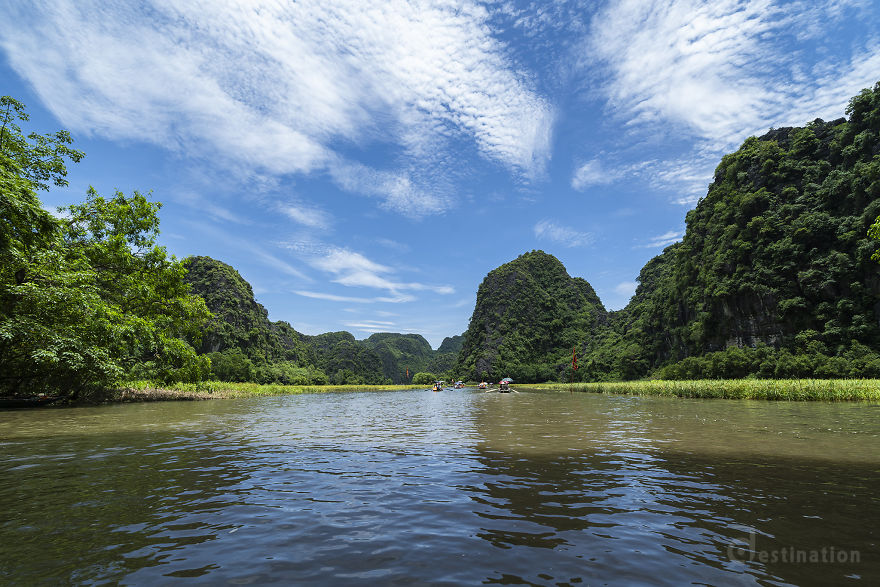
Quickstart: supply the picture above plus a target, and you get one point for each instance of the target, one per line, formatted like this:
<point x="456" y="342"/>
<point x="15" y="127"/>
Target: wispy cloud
<point x="276" y="86"/>
<point x="199" y="202"/>
<point x="626" y="288"/>
<point x="563" y="235"/>
<point x="257" y="251"/>
<point x="591" y="173"/>
<point x="353" y="299"/>
<point x="663" y="240"/>
<point x="353" y="269"/>
<point x="717" y="71"/>
<point x="306" y="215"/>
<point x="371" y="326"/>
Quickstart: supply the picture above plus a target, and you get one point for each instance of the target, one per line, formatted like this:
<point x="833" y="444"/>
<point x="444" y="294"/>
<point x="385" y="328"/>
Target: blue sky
<point x="365" y="164"/>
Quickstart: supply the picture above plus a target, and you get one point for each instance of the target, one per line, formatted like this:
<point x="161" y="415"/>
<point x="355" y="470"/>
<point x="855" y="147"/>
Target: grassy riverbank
<point x="137" y="391"/>
<point x="765" y="389"/>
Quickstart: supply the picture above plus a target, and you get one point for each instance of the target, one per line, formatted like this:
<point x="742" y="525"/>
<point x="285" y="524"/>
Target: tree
<point x="39" y="158"/>
<point x="423" y="378"/>
<point x="87" y="300"/>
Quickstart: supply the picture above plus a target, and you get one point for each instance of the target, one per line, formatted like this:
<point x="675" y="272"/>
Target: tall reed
<point x="767" y="389"/>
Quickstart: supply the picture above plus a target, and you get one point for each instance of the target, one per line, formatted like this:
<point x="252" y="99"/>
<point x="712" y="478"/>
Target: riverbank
<point x="762" y="389"/>
<point x="144" y="391"/>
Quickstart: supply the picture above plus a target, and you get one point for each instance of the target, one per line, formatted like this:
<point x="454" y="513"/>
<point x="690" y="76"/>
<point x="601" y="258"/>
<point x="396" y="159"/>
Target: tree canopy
<point x="88" y="299"/>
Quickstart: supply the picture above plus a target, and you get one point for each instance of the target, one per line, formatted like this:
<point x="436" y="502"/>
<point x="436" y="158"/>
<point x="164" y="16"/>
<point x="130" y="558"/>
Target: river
<point x="455" y="487"/>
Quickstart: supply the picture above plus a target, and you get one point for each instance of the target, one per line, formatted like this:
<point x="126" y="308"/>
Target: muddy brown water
<point x="455" y="487"/>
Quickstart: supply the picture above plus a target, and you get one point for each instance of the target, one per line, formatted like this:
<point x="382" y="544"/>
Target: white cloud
<point x="371" y="326"/>
<point x="306" y="215"/>
<point x="702" y="64"/>
<point x="194" y="200"/>
<point x="257" y="251"/>
<point x="591" y="173"/>
<point x="335" y="298"/>
<point x="568" y="237"/>
<point x="663" y="240"/>
<point x="353" y="269"/>
<point x="276" y="86"/>
<point x="400" y="191"/>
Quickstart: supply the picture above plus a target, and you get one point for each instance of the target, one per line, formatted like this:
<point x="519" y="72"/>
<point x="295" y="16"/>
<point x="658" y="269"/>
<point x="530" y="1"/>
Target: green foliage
<point x="34" y="158"/>
<point x="86" y="300"/>
<point x="529" y="316"/>
<point x="399" y="353"/>
<point x="424" y="378"/>
<point x="775" y="249"/>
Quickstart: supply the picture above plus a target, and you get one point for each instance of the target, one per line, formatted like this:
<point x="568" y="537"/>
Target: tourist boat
<point x="483" y="385"/>
<point x="504" y="385"/>
<point x="33" y="401"/>
<point x="438" y="386"/>
<point x="459" y="385"/>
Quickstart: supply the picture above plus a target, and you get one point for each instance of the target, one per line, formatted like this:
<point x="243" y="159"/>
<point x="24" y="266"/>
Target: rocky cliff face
<point x="529" y="315"/>
<point x="777" y="252"/>
<point x="239" y="320"/>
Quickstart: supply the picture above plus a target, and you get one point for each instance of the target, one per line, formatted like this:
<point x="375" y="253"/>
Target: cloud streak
<point x="352" y="269"/>
<point x="563" y="235"/>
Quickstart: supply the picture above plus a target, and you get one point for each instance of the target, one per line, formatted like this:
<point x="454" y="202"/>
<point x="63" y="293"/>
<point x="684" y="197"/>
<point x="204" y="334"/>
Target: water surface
<point x="452" y="487"/>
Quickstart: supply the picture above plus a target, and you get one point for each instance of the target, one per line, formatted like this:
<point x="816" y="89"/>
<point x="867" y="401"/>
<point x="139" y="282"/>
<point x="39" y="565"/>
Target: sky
<point x="364" y="165"/>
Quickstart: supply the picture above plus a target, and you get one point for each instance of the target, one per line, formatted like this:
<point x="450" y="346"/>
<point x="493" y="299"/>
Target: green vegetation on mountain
<point x="529" y="316"/>
<point x="446" y="356"/>
<point x="774" y="276"/>
<point x="244" y="345"/>
<point x="399" y="353"/>
<point x="346" y="360"/>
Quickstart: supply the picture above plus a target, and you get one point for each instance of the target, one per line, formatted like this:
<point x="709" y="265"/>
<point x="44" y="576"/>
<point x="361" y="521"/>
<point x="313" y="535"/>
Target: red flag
<point x="574" y="359"/>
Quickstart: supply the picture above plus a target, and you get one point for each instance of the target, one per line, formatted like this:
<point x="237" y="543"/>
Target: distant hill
<point x="401" y="352"/>
<point x="244" y="345"/>
<point x="530" y="314"/>
<point x="239" y="321"/>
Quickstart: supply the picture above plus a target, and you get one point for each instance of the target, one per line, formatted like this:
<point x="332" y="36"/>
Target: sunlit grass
<point x="148" y="390"/>
<point x="766" y="389"/>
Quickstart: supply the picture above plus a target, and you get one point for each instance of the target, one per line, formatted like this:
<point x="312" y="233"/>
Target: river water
<point x="453" y="487"/>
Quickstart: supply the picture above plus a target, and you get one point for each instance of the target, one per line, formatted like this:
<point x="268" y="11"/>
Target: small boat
<point x="33" y="401"/>
<point x="459" y="385"/>
<point x="483" y="385"/>
<point x="438" y="386"/>
<point x="504" y="385"/>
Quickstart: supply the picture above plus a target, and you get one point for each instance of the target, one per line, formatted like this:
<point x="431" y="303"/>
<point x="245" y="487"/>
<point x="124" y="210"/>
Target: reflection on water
<point x="543" y="488"/>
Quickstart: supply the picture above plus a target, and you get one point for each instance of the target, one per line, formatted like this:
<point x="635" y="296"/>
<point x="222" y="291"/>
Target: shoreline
<point x="830" y="390"/>
<point x="147" y="392"/>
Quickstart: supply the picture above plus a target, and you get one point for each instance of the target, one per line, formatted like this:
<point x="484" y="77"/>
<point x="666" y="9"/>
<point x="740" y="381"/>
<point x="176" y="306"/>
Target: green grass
<point x="147" y="390"/>
<point x="764" y="389"/>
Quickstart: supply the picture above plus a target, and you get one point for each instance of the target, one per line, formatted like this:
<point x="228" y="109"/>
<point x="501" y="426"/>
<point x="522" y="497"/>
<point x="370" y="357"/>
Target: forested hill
<point x="773" y="277"/>
<point x="244" y="345"/>
<point x="775" y="260"/>
<point x="530" y="314"/>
